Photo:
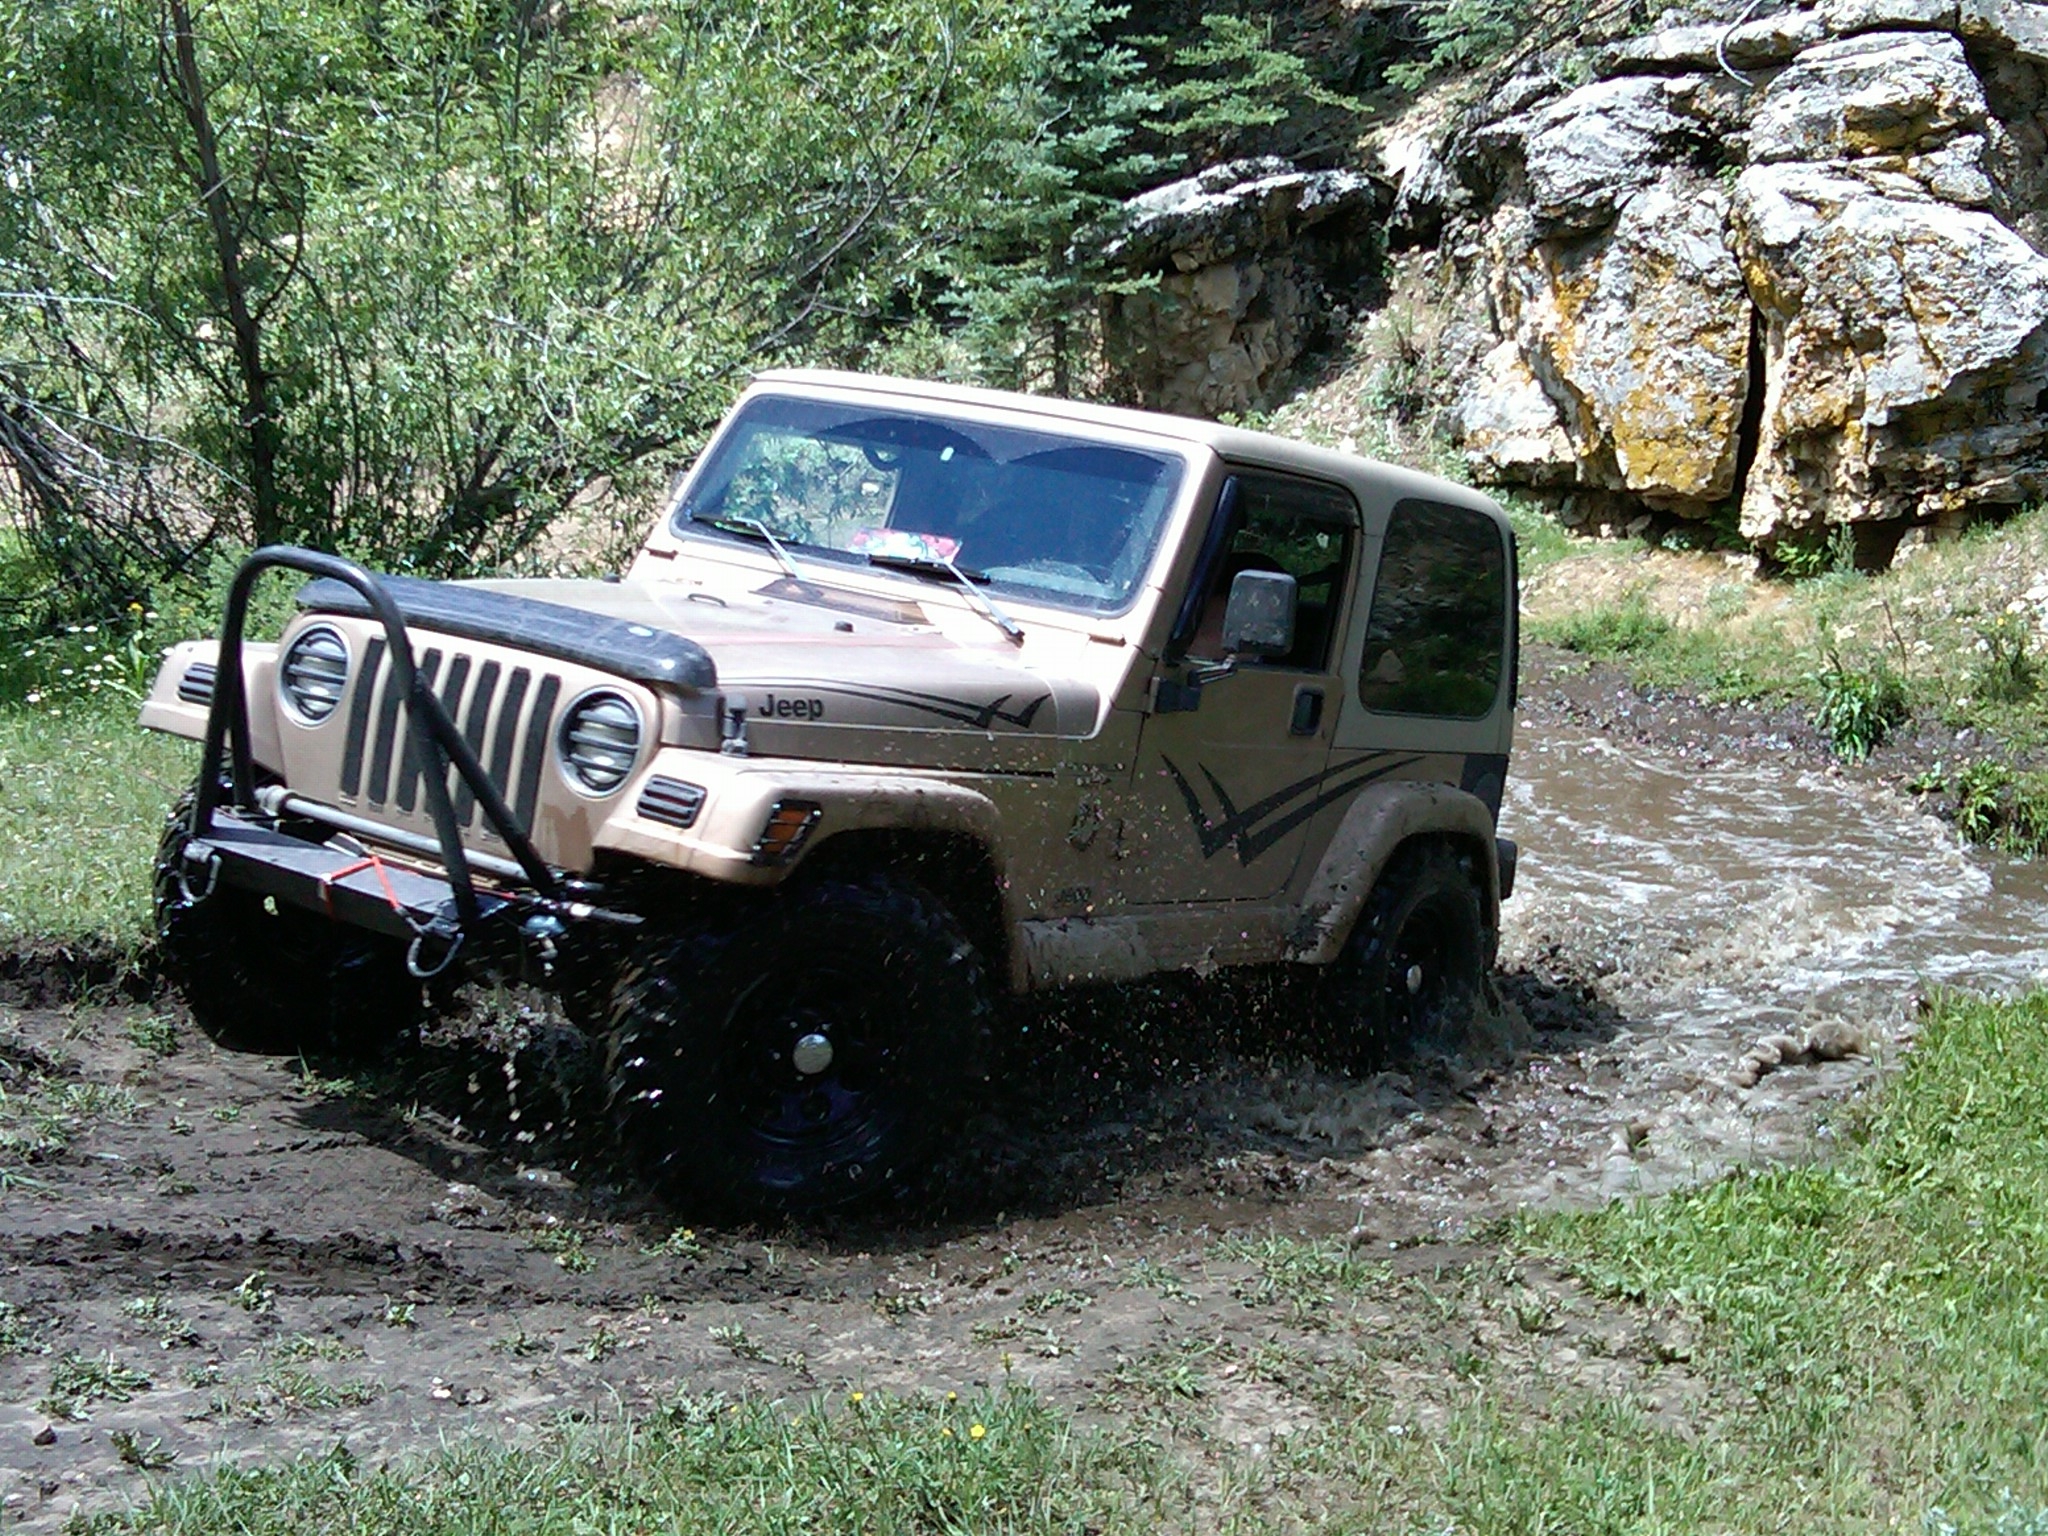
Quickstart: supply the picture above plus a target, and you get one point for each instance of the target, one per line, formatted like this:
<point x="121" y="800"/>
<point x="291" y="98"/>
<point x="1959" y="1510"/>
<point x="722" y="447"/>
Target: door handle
<point x="1308" y="712"/>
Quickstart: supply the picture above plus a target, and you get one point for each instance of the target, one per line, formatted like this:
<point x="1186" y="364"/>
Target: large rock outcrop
<point x="1793" y="267"/>
<point x="1240" y="270"/>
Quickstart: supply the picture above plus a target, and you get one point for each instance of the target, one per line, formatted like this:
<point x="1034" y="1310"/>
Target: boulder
<point x="1245" y="263"/>
<point x="1583" y="156"/>
<point x="1422" y="187"/>
<point x="1757" y="44"/>
<point x="1821" y="294"/>
<point x="1640" y="338"/>
<point x="1906" y="352"/>
<point x="1845" y="18"/>
<point x="2018" y="27"/>
<point x="1880" y="93"/>
<point x="1509" y="426"/>
<point x="1242" y="207"/>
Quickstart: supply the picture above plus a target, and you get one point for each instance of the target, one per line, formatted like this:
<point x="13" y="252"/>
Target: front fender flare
<point x="1377" y="823"/>
<point x="740" y="792"/>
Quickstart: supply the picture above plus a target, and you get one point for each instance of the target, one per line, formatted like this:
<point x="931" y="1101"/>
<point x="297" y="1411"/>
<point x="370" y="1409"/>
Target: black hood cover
<point x="548" y="629"/>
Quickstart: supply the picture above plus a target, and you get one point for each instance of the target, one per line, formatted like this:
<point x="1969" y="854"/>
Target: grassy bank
<point x="1940" y="656"/>
<point x="1853" y="1346"/>
<point x="1875" y="1329"/>
<point x="83" y="791"/>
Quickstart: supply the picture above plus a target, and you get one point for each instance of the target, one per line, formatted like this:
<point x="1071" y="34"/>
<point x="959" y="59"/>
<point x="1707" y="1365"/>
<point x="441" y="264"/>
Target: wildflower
<point x="946" y="1430"/>
<point x="977" y="1431"/>
<point x="856" y="1397"/>
<point x="135" y="607"/>
<point x="952" y="1397"/>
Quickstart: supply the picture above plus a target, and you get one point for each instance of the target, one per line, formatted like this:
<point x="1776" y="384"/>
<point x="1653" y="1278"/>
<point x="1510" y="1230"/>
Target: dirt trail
<point x="290" y="1260"/>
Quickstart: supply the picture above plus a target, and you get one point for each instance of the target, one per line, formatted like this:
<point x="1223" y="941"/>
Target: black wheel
<point x="260" y="975"/>
<point x="1413" y="970"/>
<point x="808" y="1053"/>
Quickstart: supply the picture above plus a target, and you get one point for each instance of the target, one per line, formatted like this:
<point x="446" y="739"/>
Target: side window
<point x="1304" y="527"/>
<point x="1439" y="619"/>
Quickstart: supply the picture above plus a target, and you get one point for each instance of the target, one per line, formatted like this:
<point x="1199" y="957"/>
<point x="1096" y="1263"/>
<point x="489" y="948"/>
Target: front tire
<point x="1413" y="971"/>
<point x="810" y="1052"/>
<point x="261" y="975"/>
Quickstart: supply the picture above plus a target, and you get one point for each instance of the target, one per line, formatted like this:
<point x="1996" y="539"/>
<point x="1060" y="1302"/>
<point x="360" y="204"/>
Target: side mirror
<point x="1258" y="619"/>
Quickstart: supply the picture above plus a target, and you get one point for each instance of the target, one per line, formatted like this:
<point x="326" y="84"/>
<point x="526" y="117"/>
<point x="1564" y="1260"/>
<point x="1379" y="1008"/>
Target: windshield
<point x="1051" y="519"/>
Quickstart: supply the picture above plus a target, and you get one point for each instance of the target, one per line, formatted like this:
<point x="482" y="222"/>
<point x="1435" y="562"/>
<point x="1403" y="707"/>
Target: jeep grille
<point x="504" y="714"/>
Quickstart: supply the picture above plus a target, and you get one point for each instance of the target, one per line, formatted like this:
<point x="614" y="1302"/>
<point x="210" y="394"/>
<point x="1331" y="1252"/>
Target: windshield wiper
<point x="754" y="528"/>
<point x="967" y="582"/>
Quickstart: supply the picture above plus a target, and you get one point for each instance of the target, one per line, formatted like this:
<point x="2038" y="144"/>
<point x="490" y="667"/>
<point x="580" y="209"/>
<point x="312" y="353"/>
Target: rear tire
<point x="261" y="975"/>
<point x="1413" y="971"/>
<point x="809" y="1052"/>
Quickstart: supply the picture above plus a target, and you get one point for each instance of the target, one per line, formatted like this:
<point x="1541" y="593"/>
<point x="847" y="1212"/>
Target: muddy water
<point x="1723" y="903"/>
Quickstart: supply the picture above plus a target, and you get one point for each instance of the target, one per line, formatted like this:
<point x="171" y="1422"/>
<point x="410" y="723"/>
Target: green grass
<point x="887" y="1465"/>
<point x="1540" y="539"/>
<point x="41" y="1115"/>
<point x="1877" y="1326"/>
<point x="83" y="789"/>
<point x="81" y="1380"/>
<point x="1953" y="633"/>
<point x="16" y="1336"/>
<point x="1607" y="631"/>
<point x="1301" y="1275"/>
<point x="1865" y="1342"/>
<point x="83" y="792"/>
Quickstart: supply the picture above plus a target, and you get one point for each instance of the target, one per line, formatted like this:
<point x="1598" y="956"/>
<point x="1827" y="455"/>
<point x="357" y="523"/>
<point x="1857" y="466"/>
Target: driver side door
<point x="1225" y="791"/>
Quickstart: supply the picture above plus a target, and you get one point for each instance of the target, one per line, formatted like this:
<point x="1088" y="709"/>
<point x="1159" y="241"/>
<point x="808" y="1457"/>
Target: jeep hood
<point x="821" y="672"/>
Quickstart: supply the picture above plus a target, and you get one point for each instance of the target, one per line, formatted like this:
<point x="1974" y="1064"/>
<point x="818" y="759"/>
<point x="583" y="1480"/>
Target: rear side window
<point x="1434" y="641"/>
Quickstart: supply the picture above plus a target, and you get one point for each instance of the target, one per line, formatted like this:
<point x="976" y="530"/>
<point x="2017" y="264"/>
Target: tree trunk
<point x="258" y="420"/>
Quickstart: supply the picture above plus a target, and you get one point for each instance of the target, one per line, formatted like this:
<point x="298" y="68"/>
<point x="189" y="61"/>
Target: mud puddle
<point x="278" y="1260"/>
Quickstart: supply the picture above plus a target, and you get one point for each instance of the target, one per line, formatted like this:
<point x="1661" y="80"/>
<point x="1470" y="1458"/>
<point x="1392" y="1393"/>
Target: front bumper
<point x="363" y="888"/>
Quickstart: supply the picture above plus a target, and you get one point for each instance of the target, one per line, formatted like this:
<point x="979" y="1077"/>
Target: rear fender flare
<point x="1377" y="823"/>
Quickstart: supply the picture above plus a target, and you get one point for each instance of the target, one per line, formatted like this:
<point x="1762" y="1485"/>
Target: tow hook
<point x="200" y="856"/>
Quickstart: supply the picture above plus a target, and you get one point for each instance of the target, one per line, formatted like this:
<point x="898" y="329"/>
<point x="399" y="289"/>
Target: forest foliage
<point x="405" y="278"/>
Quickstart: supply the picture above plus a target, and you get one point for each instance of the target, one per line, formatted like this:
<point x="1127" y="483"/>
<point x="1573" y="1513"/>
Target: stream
<point x="1716" y="905"/>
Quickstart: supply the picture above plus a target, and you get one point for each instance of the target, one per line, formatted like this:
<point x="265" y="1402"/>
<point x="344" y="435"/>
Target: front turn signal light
<point x="789" y="824"/>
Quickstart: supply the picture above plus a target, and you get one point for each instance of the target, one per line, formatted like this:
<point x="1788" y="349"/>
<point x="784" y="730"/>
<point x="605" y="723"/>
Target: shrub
<point x="2007" y="671"/>
<point x="1980" y="800"/>
<point x="1828" y="554"/>
<point x="1999" y="808"/>
<point x="1859" y="708"/>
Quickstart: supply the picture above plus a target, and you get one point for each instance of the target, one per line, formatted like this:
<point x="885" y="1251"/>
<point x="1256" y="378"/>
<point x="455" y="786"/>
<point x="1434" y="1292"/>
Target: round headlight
<point x="600" y="741"/>
<point x="314" y="673"/>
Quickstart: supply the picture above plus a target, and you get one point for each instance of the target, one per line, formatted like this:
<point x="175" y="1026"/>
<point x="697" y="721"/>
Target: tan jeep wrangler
<point x="914" y="696"/>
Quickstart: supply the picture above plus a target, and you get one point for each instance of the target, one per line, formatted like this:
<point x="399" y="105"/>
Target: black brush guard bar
<point x="434" y="737"/>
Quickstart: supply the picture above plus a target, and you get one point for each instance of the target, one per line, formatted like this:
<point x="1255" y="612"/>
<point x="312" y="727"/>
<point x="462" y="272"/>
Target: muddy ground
<point x="209" y="1256"/>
